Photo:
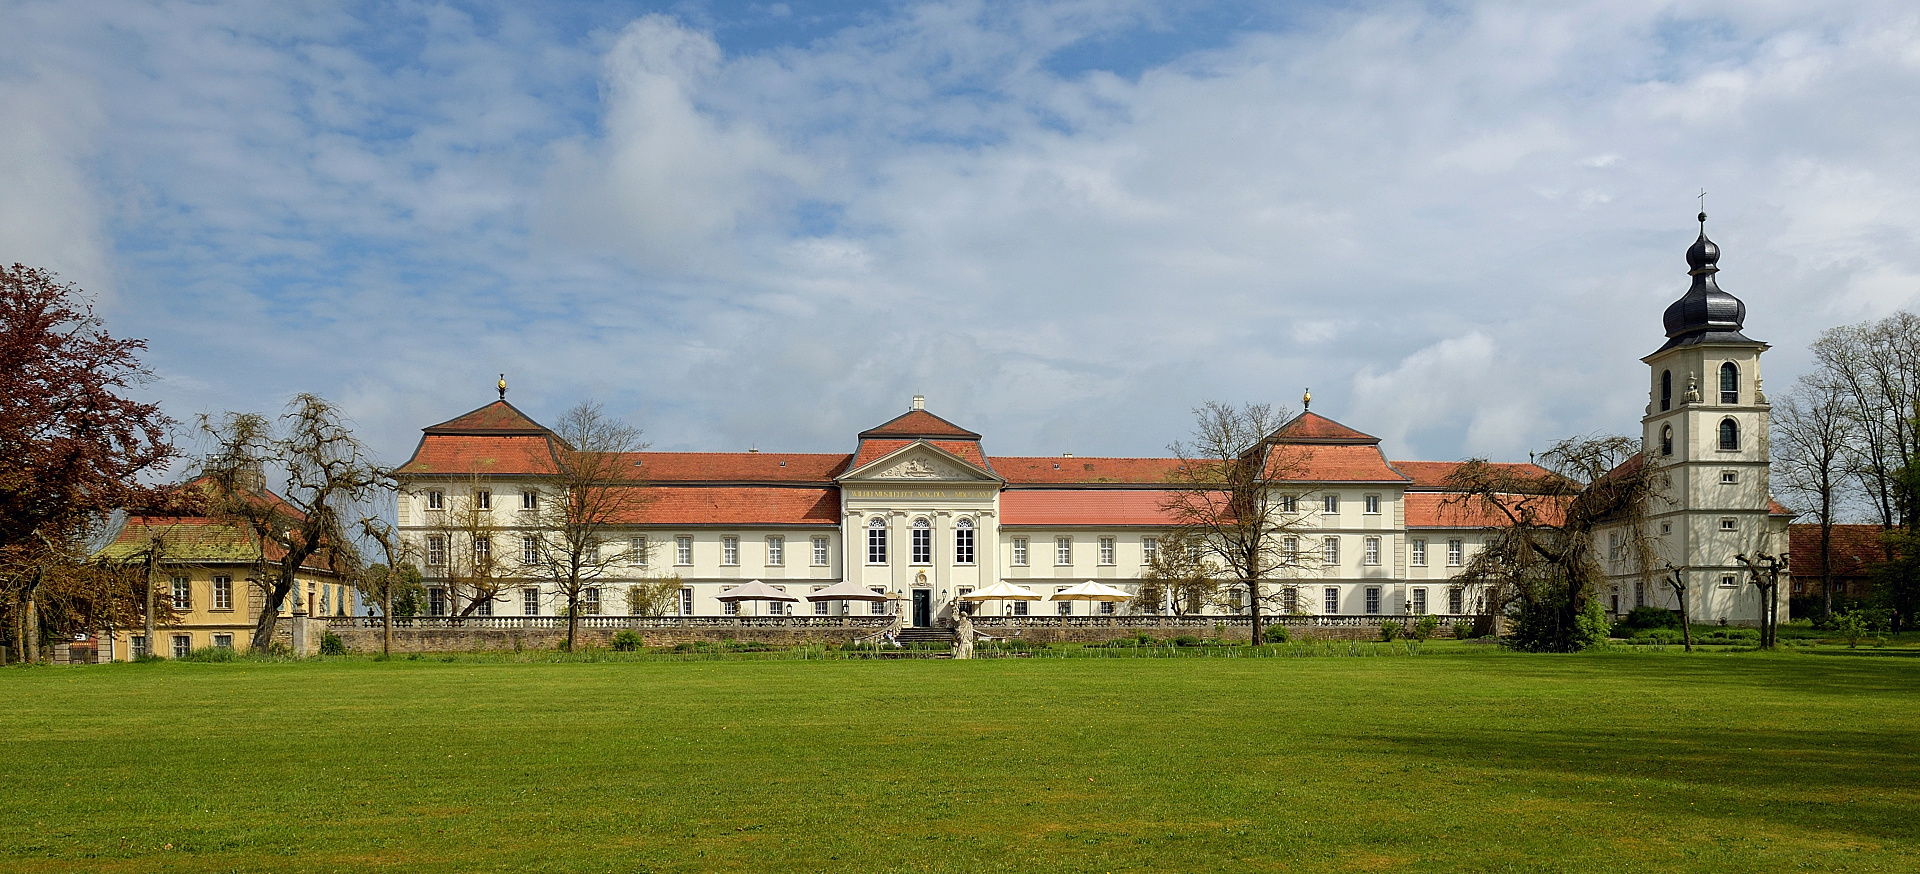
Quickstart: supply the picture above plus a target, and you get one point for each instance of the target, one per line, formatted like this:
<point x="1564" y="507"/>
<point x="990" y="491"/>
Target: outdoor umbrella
<point x="754" y="590"/>
<point x="1002" y="591"/>
<point x="847" y="591"/>
<point x="1091" y="591"/>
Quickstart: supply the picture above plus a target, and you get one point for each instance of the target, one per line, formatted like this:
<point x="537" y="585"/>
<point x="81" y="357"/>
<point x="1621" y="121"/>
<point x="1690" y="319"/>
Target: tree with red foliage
<point x="72" y="445"/>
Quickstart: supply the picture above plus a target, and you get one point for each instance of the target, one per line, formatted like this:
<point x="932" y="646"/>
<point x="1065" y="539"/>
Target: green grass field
<point x="1448" y="761"/>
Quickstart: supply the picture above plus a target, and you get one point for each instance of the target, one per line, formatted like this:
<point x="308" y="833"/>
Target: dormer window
<point x="1729" y="434"/>
<point x="1666" y="390"/>
<point x="1729" y="383"/>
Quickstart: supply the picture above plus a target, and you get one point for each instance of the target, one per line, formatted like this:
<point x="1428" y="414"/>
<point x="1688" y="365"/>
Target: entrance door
<point x="922" y="608"/>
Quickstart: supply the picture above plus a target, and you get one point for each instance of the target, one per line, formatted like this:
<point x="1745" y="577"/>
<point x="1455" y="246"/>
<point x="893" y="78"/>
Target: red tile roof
<point x="1855" y="548"/>
<point x="967" y="450"/>
<point x="1433" y="474"/>
<point x="1084" y="507"/>
<point x="1774" y="508"/>
<point x="918" y="423"/>
<point x="740" y="467"/>
<point x="1330" y="463"/>
<point x="1089" y="471"/>
<point x="489" y="455"/>
<point x="1314" y="428"/>
<point x="737" y="505"/>
<point x="1453" y="510"/>
<point x="498" y="417"/>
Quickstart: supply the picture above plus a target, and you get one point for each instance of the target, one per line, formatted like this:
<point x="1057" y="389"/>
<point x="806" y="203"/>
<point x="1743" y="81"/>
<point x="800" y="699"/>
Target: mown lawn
<point x="1454" y="761"/>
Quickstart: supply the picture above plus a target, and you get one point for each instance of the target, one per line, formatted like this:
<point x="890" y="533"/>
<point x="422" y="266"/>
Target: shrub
<point x="331" y="644"/>
<point x="1650" y="617"/>
<point x="1424" y="628"/>
<point x="1463" y="630"/>
<point x="1275" y="633"/>
<point x="1851" y="626"/>
<point x="1186" y="640"/>
<point x="626" y="641"/>
<point x="1389" y="631"/>
<point x="212" y="654"/>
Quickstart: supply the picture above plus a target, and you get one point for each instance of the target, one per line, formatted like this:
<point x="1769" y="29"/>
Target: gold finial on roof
<point x="503" y="386"/>
<point x="1306" y="400"/>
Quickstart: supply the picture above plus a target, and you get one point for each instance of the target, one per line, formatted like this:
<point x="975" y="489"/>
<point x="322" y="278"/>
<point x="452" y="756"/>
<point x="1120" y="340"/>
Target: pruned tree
<point x="1225" y="498"/>
<point x="73" y="447"/>
<point x="394" y="579"/>
<point x="1179" y="578"/>
<point x="1540" y="570"/>
<point x="1812" y="433"/>
<point x="596" y="489"/>
<point x="331" y="479"/>
<point x="654" y="595"/>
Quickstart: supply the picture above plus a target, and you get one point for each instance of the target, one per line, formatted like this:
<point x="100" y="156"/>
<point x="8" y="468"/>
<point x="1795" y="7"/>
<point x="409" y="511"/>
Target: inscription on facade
<point x="932" y="494"/>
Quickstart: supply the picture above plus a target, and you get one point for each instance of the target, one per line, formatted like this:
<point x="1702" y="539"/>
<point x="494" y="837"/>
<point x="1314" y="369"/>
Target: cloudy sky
<point x="1066" y="224"/>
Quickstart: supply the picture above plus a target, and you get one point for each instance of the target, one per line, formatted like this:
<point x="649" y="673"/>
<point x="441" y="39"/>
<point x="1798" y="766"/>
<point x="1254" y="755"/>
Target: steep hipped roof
<point x="919" y="423"/>
<point x="496" y="418"/>
<point x="1315" y="428"/>
<point x="496" y="439"/>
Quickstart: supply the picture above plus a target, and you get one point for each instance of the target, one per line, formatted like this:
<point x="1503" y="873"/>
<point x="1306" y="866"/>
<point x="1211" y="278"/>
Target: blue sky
<point x="757" y="224"/>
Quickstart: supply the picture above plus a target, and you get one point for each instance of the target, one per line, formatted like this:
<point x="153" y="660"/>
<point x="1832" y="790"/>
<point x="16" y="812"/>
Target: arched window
<point x="922" y="541"/>
<point x="1666" y="439"/>
<point x="877" y="541"/>
<point x="1729" y="434"/>
<point x="963" y="541"/>
<point x="1729" y="383"/>
<point x="1666" y="390"/>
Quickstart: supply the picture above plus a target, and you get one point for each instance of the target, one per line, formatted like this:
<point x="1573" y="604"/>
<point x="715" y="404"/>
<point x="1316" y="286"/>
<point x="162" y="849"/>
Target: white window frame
<point x="1371" y="551"/>
<point x="776" y="550"/>
<point x="529" y="549"/>
<point x="820" y="608"/>
<point x="920" y="543"/>
<point x="637" y="550"/>
<point x="1149" y="549"/>
<point x="1107" y="552"/>
<point x="1729" y="581"/>
<point x="1372" y="505"/>
<point x="529" y="499"/>
<point x="436" y="500"/>
<point x="482" y="499"/>
<point x="1419" y="601"/>
<point x="530" y="601"/>
<point x="1290" y="549"/>
<point x="878" y="608"/>
<point x="182" y="645"/>
<point x="1728" y="523"/>
<point x="1330" y="505"/>
<point x="686" y="601"/>
<point x="181" y="595"/>
<point x="822" y="551"/>
<point x="222" y="592"/>
<point x="1330" y="600"/>
<point x="1330" y="551"/>
<point x="964" y="541"/>
<point x="1456" y="553"/>
<point x="1456" y="600"/>
<point x="1729" y="477"/>
<point x="436" y="550"/>
<point x="223" y="641"/>
<point x="730" y="550"/>
<point x="1020" y="552"/>
<point x="1063" y="550"/>
<point x="1289" y="503"/>
<point x="877" y="541"/>
<point x="1373" y="600"/>
<point x="683" y="550"/>
<point x="1418" y="548"/>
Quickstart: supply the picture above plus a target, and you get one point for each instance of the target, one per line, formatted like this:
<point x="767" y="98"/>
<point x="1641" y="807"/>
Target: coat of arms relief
<point x="914" y="468"/>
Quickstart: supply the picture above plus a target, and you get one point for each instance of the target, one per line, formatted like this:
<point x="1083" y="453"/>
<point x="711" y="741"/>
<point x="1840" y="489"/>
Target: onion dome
<point x="1705" y="313"/>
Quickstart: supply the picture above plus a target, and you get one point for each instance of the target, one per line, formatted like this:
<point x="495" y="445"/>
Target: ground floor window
<point x="484" y="608"/>
<point x="730" y="608"/>
<point x="1373" y="600"/>
<point x="686" y="602"/>
<point x="182" y="645"/>
<point x="1420" y="602"/>
<point x="1455" y="597"/>
<point x="139" y="646"/>
<point x="590" y="602"/>
<point x="529" y="602"/>
<point x="1106" y="607"/>
<point x="436" y="601"/>
<point x="1289" y="600"/>
<point x="1332" y="600"/>
<point x="1019" y="608"/>
<point x="1639" y="593"/>
<point x="224" y="641"/>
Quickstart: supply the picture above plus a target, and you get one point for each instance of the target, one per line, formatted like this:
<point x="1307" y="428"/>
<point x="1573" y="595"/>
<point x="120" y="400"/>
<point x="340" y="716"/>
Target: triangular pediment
<point x="920" y="462"/>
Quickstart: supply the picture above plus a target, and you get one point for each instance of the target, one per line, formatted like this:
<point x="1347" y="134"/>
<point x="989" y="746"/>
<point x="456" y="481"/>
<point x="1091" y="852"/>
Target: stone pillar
<point x="307" y="633"/>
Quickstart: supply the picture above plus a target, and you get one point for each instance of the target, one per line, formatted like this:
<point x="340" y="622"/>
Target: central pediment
<point x="919" y="462"/>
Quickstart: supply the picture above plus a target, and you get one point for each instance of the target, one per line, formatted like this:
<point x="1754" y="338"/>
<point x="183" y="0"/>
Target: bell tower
<point x="1707" y="427"/>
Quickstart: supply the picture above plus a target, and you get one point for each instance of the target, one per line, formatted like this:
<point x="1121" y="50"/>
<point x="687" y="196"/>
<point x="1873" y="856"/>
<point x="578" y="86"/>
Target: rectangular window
<point x="1330" y="600"/>
<point x="683" y="550"/>
<point x="820" y="607"/>
<point x="1020" y="551"/>
<point x="1639" y="593"/>
<point x="436" y="601"/>
<point x="637" y="549"/>
<point x="1419" y="552"/>
<point x="590" y="602"/>
<point x="223" y="641"/>
<point x="1729" y="477"/>
<point x="820" y="551"/>
<point x="483" y="500"/>
<point x="484" y="608"/>
<point x="876" y="543"/>
<point x="1106" y="607"/>
<point x="729" y="608"/>
<point x="686" y="602"/>
<point x="1373" y="550"/>
<point x="1150" y="549"/>
<point x="878" y="608"/>
<point x="1613" y="545"/>
<point x="1373" y="600"/>
<point x="139" y="645"/>
<point x="1106" y="550"/>
<point x="529" y="602"/>
<point x="1290" y="600"/>
<point x="436" y="500"/>
<point x="1727" y="581"/>
<point x="1290" y="549"/>
<point x="529" y="500"/>
<point x="1455" y="549"/>
<point x="1063" y="550"/>
<point x="223" y="593"/>
<point x="1373" y="504"/>
<point x="482" y="549"/>
<point x="1330" y="550"/>
<point x="1063" y="608"/>
<point x="1455" y="599"/>
<point x="776" y="551"/>
<point x="1019" y="608"/>
<point x="1330" y="504"/>
<point x="436" y="550"/>
<point x="529" y="549"/>
<point x="963" y="542"/>
<point x="729" y="550"/>
<point x="1727" y="525"/>
<point x="182" y="645"/>
<point x="922" y="543"/>
<point x="1420" y="602"/>
<point x="1289" y="503"/>
<point x="182" y="594"/>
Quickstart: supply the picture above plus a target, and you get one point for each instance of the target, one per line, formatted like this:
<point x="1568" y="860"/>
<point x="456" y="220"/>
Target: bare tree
<point x="477" y="573"/>
<point x="1225" y="497"/>
<point x="1875" y="368"/>
<point x="1540" y="570"/>
<point x="390" y="580"/>
<point x="597" y="489"/>
<point x="1812" y="432"/>
<point x="1179" y="578"/>
<point x="330" y="479"/>
<point x="656" y="595"/>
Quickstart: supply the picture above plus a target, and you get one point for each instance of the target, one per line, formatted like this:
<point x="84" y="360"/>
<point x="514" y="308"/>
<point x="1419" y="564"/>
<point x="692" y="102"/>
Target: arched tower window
<point x="877" y="541"/>
<point x="1729" y="433"/>
<point x="1666" y="439"/>
<point x="922" y="541"/>
<point x="1666" y="390"/>
<point x="1729" y="383"/>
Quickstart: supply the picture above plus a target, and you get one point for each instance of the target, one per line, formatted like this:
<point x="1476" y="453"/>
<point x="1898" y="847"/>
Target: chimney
<point x="1066" y="455"/>
<point x="919" y="402"/>
<point x="251" y="478"/>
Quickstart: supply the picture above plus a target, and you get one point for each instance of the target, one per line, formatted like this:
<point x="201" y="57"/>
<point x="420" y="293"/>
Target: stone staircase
<point x="911" y="636"/>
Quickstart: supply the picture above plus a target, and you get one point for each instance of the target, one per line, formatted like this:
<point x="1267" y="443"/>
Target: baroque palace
<point x="920" y="512"/>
